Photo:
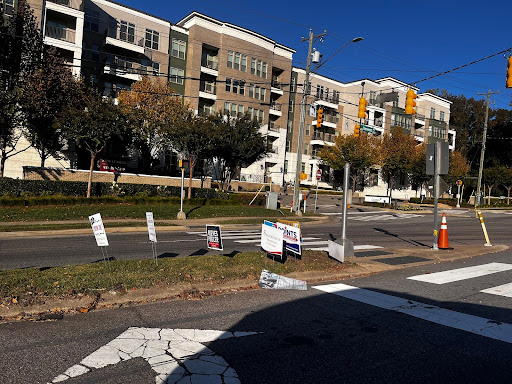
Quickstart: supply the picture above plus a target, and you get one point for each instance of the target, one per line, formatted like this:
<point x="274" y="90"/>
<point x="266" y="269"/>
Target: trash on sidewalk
<point x="272" y="280"/>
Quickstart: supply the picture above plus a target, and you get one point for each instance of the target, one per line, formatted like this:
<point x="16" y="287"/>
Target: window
<point x="241" y="89"/>
<point x="176" y="75"/>
<point x="307" y="130"/>
<point x="243" y="66"/>
<point x="319" y="91"/>
<point x="263" y="92"/>
<point x="235" y="86"/>
<point x="237" y="61"/>
<point x="260" y="117"/>
<point x="264" y="71"/>
<point x="251" y="90"/>
<point x="288" y="145"/>
<point x="233" y="109"/>
<point x="336" y="97"/>
<point x="156" y="68"/>
<point x="228" y="84"/>
<point x="95" y="52"/>
<point x="306" y="148"/>
<point x="441" y="115"/>
<point x="226" y="107"/>
<point x="126" y="31"/>
<point x="253" y="66"/>
<point x="290" y="126"/>
<point x="91" y="19"/>
<point x="240" y="111"/>
<point x="258" y="68"/>
<point x="152" y="38"/>
<point x="293" y="85"/>
<point x="249" y="112"/>
<point x="290" y="106"/>
<point x="256" y="92"/>
<point x="303" y="167"/>
<point x="432" y="113"/>
<point x="178" y="48"/>
<point x="230" y="59"/>
<point x="285" y="168"/>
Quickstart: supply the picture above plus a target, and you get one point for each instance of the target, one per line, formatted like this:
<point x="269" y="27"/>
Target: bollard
<point x="488" y="243"/>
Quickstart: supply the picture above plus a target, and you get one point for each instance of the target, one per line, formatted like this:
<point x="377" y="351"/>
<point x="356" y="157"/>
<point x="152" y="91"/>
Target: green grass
<point x="34" y="285"/>
<point x="129" y="211"/>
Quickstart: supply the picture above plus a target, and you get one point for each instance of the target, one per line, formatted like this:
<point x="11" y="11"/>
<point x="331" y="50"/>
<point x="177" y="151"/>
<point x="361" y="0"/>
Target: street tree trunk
<point x="90" y="175"/>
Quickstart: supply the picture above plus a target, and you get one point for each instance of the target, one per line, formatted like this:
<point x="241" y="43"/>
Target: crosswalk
<point x="250" y="236"/>
<point x="460" y="274"/>
<point x="374" y="216"/>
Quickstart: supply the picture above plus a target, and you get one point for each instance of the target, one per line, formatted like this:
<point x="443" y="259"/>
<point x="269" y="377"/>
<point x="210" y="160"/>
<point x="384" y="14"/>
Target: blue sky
<point x="408" y="40"/>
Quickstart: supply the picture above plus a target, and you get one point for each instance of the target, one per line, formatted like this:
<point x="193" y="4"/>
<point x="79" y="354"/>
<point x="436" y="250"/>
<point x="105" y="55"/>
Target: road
<point x="366" y="227"/>
<point x="392" y="327"/>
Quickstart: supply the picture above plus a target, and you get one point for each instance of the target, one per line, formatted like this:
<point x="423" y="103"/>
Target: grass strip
<point x="128" y="211"/>
<point x="35" y="285"/>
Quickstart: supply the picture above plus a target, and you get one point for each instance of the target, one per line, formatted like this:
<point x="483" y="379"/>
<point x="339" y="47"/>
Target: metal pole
<point x="458" y="196"/>
<point x="346" y="178"/>
<point x="182" y="185"/>
<point x="316" y="194"/>
<point x="437" y="166"/>
<point x="296" y="187"/>
<point x="482" y="152"/>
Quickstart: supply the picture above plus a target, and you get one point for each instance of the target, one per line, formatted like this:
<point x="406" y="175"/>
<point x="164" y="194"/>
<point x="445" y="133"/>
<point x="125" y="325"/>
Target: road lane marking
<point x="356" y="248"/>
<point x="468" y="323"/>
<point x="501" y="290"/>
<point x="462" y="273"/>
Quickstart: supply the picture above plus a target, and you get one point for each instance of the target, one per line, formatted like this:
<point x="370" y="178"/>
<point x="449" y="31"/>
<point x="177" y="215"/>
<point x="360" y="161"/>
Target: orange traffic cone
<point x="442" y="241"/>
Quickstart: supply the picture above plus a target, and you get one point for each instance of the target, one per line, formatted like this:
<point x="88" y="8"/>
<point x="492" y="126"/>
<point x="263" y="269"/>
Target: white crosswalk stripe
<point x="380" y="217"/>
<point x="467" y="273"/>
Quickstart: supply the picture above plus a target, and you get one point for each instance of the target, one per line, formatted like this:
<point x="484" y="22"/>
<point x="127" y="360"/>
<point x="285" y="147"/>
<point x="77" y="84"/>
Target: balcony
<point x="121" y="39"/>
<point x="210" y="64"/>
<point x="276" y="87"/>
<point x="74" y="4"/>
<point x="126" y="69"/>
<point x="327" y="101"/>
<point x="208" y="90"/>
<point x="59" y="33"/>
<point x="275" y="109"/>
<point x="328" y="137"/>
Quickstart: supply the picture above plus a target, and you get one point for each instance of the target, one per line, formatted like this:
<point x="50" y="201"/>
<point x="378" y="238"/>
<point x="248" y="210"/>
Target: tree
<point x="21" y="47"/>
<point x="92" y="125"/>
<point x="237" y="142"/>
<point x="48" y="92"/>
<point x="149" y="103"/>
<point x="361" y="153"/>
<point x="507" y="181"/>
<point x="493" y="177"/>
<point x="191" y="136"/>
<point x="459" y="167"/>
<point x="418" y="173"/>
<point x="398" y="150"/>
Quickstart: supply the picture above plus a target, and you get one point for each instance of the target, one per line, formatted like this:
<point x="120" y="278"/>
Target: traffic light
<point x="319" y="117"/>
<point x="362" y="108"/>
<point x="509" y="73"/>
<point x="356" y="130"/>
<point x="410" y="103"/>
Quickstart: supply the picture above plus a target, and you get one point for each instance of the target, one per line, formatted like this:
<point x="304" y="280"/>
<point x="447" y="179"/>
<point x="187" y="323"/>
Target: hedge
<point x="25" y="188"/>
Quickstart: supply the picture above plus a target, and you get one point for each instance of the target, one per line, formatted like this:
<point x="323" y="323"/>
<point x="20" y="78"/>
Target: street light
<point x="296" y="204"/>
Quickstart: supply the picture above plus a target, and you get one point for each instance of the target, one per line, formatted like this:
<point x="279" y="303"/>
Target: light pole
<point x="298" y="165"/>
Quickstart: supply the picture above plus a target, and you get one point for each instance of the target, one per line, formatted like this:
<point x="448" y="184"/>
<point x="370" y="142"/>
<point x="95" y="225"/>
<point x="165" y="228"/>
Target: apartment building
<point x="238" y="71"/>
<point x="340" y="103"/>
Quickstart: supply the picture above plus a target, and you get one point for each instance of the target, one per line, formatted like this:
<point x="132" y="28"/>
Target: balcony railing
<point x="276" y="84"/>
<point x="130" y="67"/>
<point x="75" y="4"/>
<point x="329" y="99"/>
<point x="211" y="64"/>
<point x="273" y="150"/>
<point x="116" y="33"/>
<point x="276" y="107"/>
<point x="208" y="87"/>
<point x="64" y="34"/>
<point x="323" y="136"/>
<point x="274" y="127"/>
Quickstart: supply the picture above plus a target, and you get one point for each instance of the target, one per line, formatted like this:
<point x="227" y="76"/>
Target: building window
<point x="156" y="69"/>
<point x="256" y="92"/>
<point x="178" y="48"/>
<point x="432" y="113"/>
<point x="303" y="167"/>
<point x="243" y="67"/>
<point x="226" y="107"/>
<point x="441" y="115"/>
<point x="126" y="31"/>
<point x="253" y="66"/>
<point x="233" y="110"/>
<point x="251" y="90"/>
<point x="290" y="126"/>
<point x="235" y="86"/>
<point x="95" y="53"/>
<point x="230" y="59"/>
<point x="249" y="112"/>
<point x="307" y="130"/>
<point x="91" y="19"/>
<point x="293" y="85"/>
<point x="176" y="75"/>
<point x="285" y="168"/>
<point x="263" y="93"/>
<point x="240" y="111"/>
<point x="264" y="71"/>
<point x="306" y="148"/>
<point x="290" y="106"/>
<point x="258" y="68"/>
<point x="288" y="147"/>
<point x="152" y="39"/>
<point x="228" y="84"/>
<point x="237" y="61"/>
<point x="241" y="88"/>
<point x="260" y="117"/>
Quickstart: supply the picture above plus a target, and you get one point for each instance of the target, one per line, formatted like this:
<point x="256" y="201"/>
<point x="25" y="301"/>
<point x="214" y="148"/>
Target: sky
<point x="408" y="40"/>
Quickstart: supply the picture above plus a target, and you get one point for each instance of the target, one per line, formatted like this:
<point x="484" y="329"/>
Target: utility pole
<point x="482" y="152"/>
<point x="296" y="188"/>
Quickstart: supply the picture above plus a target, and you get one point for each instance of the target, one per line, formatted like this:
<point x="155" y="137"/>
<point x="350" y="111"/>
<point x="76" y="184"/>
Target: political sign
<point x="151" y="226"/>
<point x="291" y="235"/>
<point x="99" y="230"/>
<point x="272" y="240"/>
<point x="214" y="238"/>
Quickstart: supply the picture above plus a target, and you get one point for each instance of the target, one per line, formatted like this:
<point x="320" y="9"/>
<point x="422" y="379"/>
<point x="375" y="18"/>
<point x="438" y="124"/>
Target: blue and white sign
<point x="291" y="236"/>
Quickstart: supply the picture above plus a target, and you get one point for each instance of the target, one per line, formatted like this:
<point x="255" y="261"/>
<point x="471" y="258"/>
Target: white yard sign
<point x="151" y="226"/>
<point x="99" y="230"/>
<point x="271" y="240"/>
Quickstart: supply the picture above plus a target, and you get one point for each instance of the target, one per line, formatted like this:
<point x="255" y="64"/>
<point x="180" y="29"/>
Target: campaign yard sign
<point x="213" y="237"/>
<point x="291" y="236"/>
<point x="272" y="240"/>
<point x="151" y="227"/>
<point x="99" y="230"/>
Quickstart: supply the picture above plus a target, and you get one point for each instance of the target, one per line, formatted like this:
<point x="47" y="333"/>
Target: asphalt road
<point x="366" y="227"/>
<point x="303" y="336"/>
